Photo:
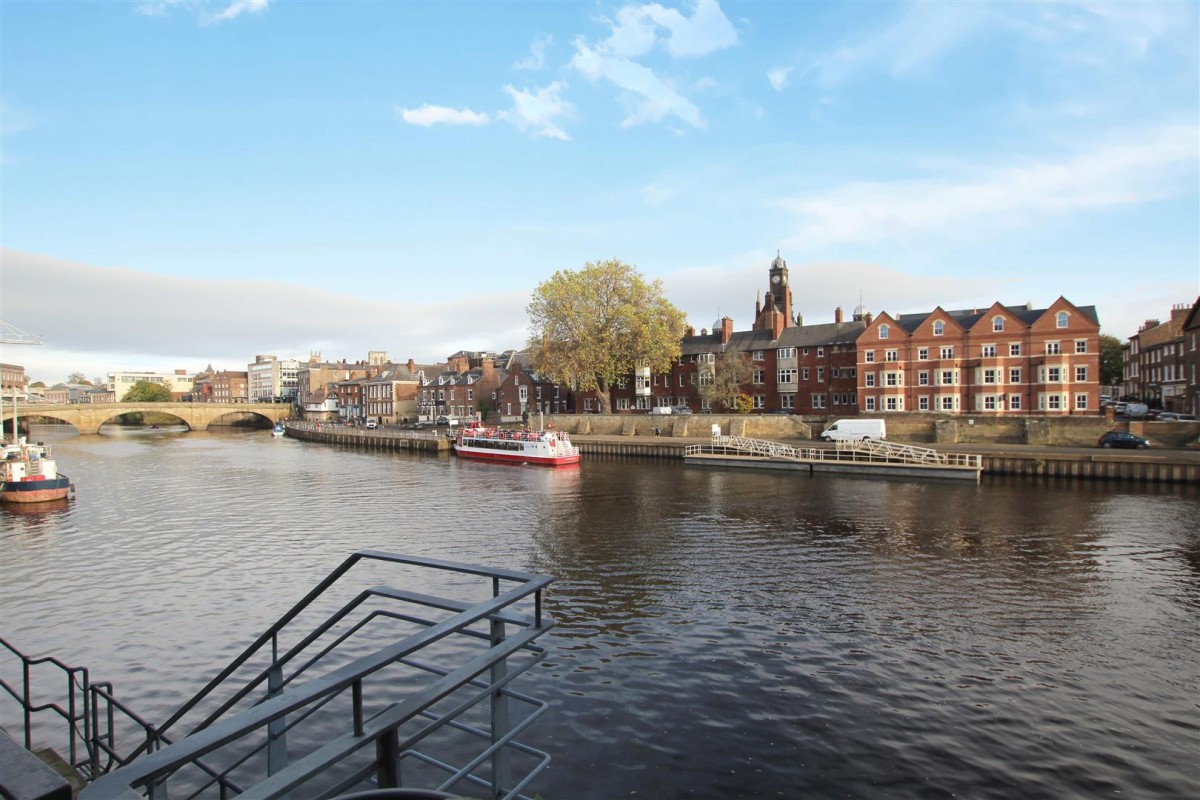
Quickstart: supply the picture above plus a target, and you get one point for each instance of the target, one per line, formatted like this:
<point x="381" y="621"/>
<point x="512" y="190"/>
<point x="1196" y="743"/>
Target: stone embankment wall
<point x="915" y="428"/>
<point x="695" y="426"/>
<point x="1046" y="431"/>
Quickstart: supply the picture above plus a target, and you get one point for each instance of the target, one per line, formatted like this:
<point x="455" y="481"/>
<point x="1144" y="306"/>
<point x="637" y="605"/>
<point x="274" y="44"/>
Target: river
<point x="720" y="634"/>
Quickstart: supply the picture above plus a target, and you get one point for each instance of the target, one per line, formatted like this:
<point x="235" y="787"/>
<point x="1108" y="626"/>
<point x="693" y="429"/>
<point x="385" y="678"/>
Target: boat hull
<point x="516" y="457"/>
<point x="35" y="491"/>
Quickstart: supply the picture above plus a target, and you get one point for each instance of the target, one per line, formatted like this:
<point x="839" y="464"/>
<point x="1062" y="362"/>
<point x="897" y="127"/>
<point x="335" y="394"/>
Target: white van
<point x="855" y="430"/>
<point x="660" y="410"/>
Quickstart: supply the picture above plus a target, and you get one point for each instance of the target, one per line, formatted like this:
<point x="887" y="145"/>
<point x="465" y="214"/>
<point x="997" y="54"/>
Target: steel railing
<point x="865" y="451"/>
<point x="389" y="688"/>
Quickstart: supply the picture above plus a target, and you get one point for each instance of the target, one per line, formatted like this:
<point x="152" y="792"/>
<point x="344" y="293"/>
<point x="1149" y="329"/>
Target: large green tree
<point x="723" y="385"/>
<point x="147" y="392"/>
<point x="591" y="327"/>
<point x="1111" y="367"/>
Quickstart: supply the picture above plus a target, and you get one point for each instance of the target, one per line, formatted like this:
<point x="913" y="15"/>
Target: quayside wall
<point x="1129" y="466"/>
<point x="912" y="428"/>
<point x="634" y="437"/>
<point x="380" y="439"/>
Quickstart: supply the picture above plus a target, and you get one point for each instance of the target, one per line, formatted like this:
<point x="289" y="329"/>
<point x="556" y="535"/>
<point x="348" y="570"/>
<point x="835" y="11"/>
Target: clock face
<point x="774" y="279"/>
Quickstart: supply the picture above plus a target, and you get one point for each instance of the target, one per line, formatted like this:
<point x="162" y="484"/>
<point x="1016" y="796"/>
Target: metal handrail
<point x="278" y="712"/>
<point x="867" y="450"/>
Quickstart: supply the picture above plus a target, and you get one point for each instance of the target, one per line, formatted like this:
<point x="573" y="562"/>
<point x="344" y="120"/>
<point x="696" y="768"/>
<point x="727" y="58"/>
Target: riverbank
<point x="1141" y="466"/>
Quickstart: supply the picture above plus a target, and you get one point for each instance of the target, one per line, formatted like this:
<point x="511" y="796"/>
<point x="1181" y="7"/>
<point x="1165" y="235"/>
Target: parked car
<point x="1171" y="416"/>
<point x="372" y="424"/>
<point x="1122" y="439"/>
<point x="682" y="410"/>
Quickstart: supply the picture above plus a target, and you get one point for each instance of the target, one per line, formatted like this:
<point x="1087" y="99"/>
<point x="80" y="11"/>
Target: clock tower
<point x="777" y="313"/>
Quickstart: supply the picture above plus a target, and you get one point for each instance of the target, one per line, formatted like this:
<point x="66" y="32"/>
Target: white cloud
<point x="239" y="7"/>
<point x="636" y="30"/>
<point x="779" y="77"/>
<point x="1147" y="166"/>
<point x="1099" y="36"/>
<point x="647" y="97"/>
<point x="923" y="34"/>
<point x="537" y="54"/>
<point x="429" y="115"/>
<point x="539" y="110"/>
<point x="206" y="11"/>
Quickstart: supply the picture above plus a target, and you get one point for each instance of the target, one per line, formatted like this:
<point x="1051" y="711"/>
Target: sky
<point x="187" y="183"/>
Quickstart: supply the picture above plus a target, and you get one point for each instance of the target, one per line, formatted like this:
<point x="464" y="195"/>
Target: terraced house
<point x="993" y="361"/>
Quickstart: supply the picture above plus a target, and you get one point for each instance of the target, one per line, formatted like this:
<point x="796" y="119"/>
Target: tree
<point x="1112" y="368"/>
<point x="730" y="371"/>
<point x="147" y="392"/>
<point x="590" y="328"/>
<point x="78" y="377"/>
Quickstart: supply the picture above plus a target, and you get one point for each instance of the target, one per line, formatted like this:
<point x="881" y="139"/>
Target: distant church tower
<point x="774" y="313"/>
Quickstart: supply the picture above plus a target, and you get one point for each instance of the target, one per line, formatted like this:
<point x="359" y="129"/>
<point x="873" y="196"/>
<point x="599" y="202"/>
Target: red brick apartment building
<point x="995" y="361"/>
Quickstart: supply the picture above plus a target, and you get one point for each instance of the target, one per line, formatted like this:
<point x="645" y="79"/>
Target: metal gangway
<point x="351" y="690"/>
<point x="862" y="451"/>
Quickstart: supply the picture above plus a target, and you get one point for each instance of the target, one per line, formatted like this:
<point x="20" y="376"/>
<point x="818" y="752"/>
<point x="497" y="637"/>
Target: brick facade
<point x="995" y="361"/>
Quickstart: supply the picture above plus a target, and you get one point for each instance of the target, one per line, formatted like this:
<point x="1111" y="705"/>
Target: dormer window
<point x="997" y="324"/>
<point x="884" y="331"/>
<point x="1062" y="319"/>
<point x="939" y="328"/>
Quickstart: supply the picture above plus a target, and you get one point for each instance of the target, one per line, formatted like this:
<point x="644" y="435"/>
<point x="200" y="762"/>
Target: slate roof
<point x="821" y="335"/>
<point x="967" y="317"/>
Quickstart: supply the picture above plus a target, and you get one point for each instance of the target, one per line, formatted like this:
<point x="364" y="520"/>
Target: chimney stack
<point x="726" y="329"/>
<point x="837" y="314"/>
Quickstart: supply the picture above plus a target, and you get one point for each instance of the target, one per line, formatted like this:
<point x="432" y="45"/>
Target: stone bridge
<point x="88" y="417"/>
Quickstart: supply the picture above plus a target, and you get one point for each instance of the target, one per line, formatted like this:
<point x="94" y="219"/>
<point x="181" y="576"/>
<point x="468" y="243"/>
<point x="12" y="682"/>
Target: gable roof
<point x="968" y="317"/>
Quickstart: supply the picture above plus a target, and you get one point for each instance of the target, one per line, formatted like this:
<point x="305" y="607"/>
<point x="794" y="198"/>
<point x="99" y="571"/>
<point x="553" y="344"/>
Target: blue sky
<point x="187" y="183"/>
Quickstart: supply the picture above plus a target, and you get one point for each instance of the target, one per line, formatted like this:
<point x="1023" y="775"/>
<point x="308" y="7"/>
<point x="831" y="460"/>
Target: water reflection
<point x="721" y="633"/>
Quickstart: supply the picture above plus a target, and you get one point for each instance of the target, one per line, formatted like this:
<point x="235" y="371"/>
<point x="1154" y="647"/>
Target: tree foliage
<point x="730" y="371"/>
<point x="147" y="392"/>
<point x="1111" y="367"/>
<point x="78" y="377"/>
<point x="590" y="328"/>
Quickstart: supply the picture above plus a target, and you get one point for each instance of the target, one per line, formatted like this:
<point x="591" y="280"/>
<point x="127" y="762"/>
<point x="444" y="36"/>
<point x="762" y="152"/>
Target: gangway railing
<point x="384" y="688"/>
<point x="864" y="451"/>
<point x="896" y="452"/>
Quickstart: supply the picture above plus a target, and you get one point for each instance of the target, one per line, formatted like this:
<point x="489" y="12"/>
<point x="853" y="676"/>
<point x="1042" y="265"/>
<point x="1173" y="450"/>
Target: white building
<point x="269" y="379"/>
<point x="178" y="383"/>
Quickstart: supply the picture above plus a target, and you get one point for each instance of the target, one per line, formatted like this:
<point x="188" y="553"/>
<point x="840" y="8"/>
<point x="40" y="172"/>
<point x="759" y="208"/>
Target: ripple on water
<point x="719" y="634"/>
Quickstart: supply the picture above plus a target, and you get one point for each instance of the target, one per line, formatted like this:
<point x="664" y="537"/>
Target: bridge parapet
<point x="88" y="417"/>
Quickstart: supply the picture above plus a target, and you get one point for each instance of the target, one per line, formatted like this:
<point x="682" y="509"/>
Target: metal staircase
<point x="383" y="688"/>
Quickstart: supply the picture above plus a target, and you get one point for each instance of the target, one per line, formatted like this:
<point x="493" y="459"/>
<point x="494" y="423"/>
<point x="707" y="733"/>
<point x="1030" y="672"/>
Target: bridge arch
<point x="88" y="417"/>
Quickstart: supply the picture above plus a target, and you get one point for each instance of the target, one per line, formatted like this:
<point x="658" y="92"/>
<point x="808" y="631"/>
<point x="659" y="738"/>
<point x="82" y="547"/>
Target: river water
<point x="720" y="634"/>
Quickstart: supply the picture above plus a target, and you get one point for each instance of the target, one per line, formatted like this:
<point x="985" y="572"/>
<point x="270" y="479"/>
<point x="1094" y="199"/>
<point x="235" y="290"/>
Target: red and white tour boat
<point x="548" y="448"/>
